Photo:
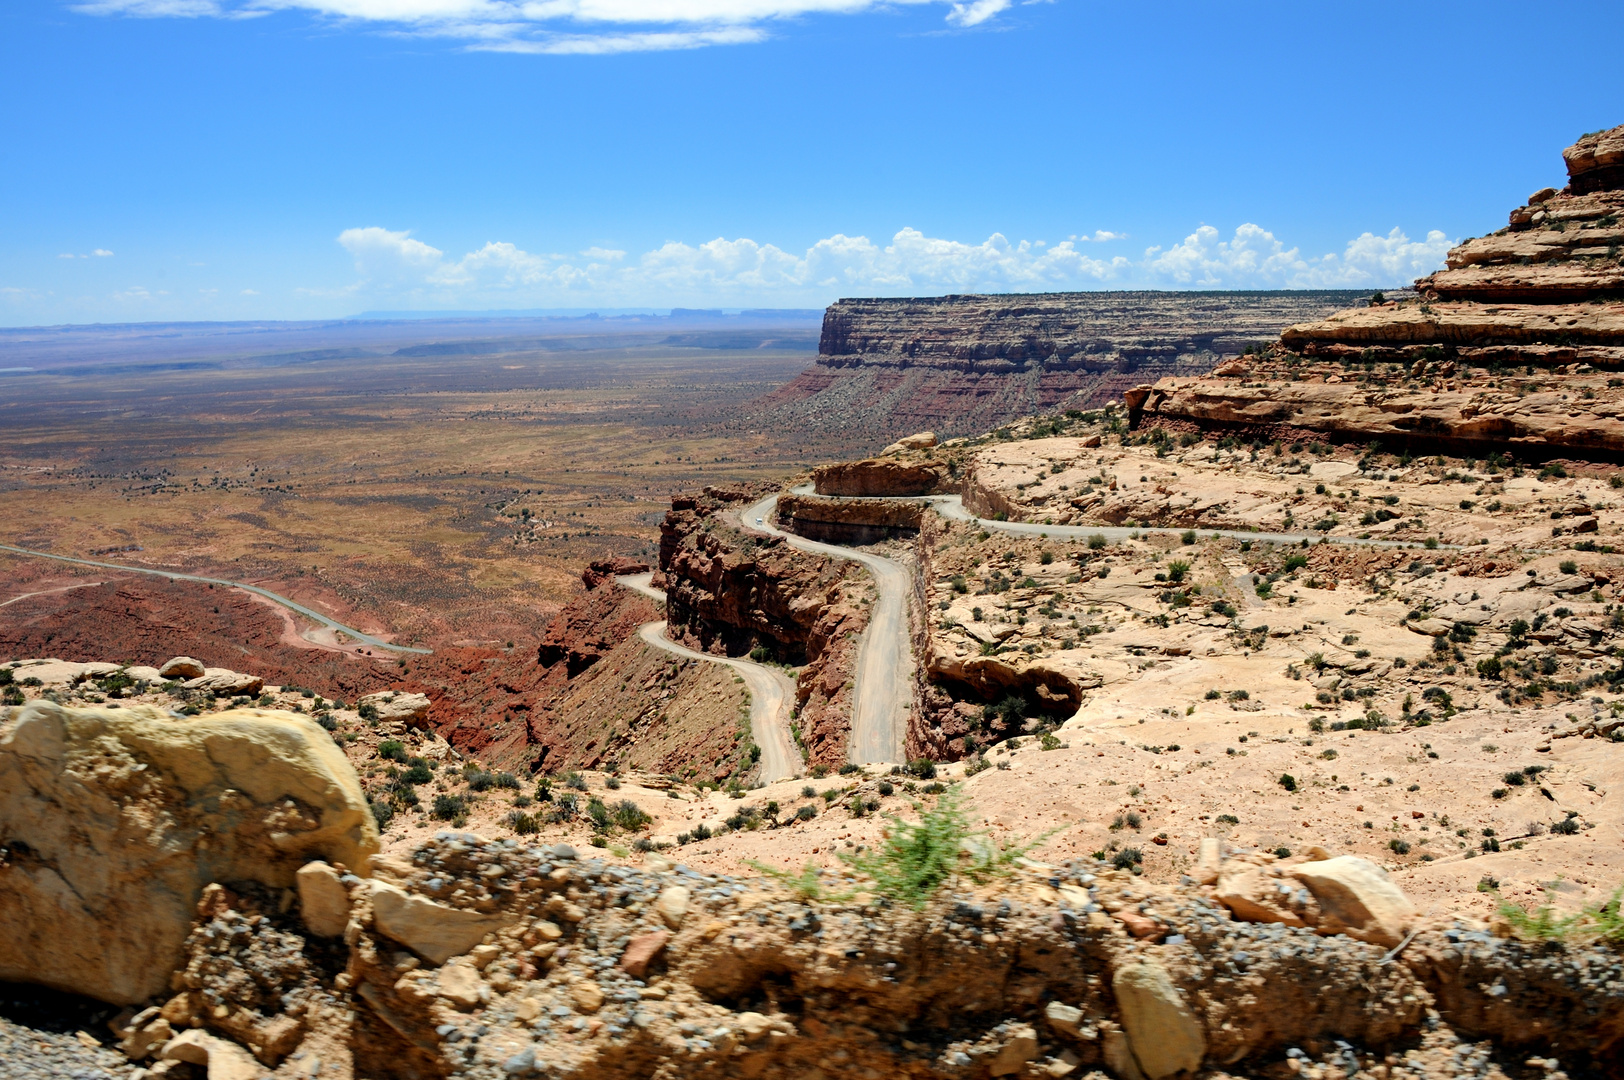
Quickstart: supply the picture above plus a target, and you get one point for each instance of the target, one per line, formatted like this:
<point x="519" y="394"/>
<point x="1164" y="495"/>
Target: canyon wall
<point x="961" y="364"/>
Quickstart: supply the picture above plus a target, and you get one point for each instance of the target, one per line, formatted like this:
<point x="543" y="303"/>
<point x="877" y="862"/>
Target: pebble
<point x="39" y="1053"/>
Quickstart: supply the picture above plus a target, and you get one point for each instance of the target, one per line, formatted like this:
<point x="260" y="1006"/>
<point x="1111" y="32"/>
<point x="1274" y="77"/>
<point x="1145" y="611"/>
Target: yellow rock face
<point x="116" y="819"/>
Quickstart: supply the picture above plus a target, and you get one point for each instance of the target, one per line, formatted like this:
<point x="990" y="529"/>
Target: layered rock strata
<point x="1508" y="347"/>
<point x="590" y="969"/>
<point x="880" y="477"/>
<point x="849" y="521"/>
<point x="958" y="364"/>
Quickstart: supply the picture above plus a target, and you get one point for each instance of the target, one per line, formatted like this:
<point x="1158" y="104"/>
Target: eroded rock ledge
<point x="1510" y="347"/>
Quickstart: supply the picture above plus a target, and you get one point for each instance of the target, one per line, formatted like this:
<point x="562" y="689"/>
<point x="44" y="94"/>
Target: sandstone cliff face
<point x="1544" y="295"/>
<point x="848" y="521"/>
<point x="961" y="364"/>
<point x="728" y="592"/>
<point x="878" y="476"/>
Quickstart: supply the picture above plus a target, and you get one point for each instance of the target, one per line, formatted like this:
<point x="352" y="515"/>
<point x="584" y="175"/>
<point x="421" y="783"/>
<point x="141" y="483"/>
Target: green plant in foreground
<point x="917" y="858"/>
<point x="1603" y="921"/>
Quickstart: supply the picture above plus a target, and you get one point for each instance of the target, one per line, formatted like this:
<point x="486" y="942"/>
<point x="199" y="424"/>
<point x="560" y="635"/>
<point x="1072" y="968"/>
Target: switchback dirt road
<point x="770" y="691"/>
<point x="884" y="691"/>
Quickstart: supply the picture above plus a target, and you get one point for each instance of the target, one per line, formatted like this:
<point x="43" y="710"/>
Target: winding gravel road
<point x="368" y="639"/>
<point x="770" y="690"/>
<point x="952" y="508"/>
<point x="884" y="691"/>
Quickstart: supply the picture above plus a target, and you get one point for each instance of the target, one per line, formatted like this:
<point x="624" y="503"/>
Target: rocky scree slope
<point x="731" y="593"/>
<point x="492" y="959"/>
<point x="1516" y="344"/>
<point x="958" y="364"/>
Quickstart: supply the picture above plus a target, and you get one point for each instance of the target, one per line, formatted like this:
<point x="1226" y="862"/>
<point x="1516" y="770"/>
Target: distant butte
<point x="963" y="364"/>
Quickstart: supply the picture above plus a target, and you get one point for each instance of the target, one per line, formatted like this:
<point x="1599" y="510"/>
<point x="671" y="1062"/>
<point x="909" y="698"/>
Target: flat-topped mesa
<point x="958" y="365"/>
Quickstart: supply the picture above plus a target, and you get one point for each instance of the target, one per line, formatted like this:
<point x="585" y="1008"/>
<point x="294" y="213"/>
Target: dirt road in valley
<point x="328" y="624"/>
<point x="771" y="691"/>
<point x="884" y="691"/>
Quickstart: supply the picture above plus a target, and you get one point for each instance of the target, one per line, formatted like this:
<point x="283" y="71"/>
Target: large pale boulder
<point x="922" y="441"/>
<point x="324" y="902"/>
<point x="224" y="1060"/>
<point x="225" y="682"/>
<point x="182" y="667"/>
<point x="1356" y="898"/>
<point x="411" y="709"/>
<point x="433" y="931"/>
<point x="113" y="821"/>
<point x="1165" y="1035"/>
<point x="49" y="671"/>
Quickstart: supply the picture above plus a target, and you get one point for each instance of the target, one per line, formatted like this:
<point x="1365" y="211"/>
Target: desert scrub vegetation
<point x="1595" y="922"/>
<point x="915" y="859"/>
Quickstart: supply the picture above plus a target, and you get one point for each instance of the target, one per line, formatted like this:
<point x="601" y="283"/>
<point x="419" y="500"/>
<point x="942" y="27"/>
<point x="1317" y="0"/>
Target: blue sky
<point x="225" y="159"/>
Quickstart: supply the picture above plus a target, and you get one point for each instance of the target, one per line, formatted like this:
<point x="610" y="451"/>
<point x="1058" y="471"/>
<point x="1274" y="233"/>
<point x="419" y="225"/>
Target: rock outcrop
<point x="112" y="821"/>
<point x="391" y="707"/>
<point x="848" y="521"/>
<point x="879" y="477"/>
<point x="962" y="364"/>
<point x="1506" y="348"/>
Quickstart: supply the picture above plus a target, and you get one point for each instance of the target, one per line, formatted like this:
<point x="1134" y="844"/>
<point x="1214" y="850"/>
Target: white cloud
<point x="555" y="26"/>
<point x="976" y="12"/>
<point x="381" y="252"/>
<point x="250" y="292"/>
<point x="1254" y="259"/>
<point x="139" y="294"/>
<point x="102" y="253"/>
<point x="67" y="255"/>
<point x="742" y="270"/>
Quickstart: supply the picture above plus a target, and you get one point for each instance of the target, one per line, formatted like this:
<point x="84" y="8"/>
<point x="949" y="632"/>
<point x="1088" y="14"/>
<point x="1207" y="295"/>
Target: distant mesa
<point x="962" y="364"/>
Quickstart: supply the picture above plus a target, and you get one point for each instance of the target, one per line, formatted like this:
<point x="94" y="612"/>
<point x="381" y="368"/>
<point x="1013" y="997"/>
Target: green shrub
<point x="1176" y="570"/>
<point x="382" y="813"/>
<point x="916" y="859"/>
<point x="392" y="750"/>
<point x="922" y="768"/>
<point x="1127" y="858"/>
<point x="1287" y="781"/>
<point x="449" y="807"/>
<point x="629" y="816"/>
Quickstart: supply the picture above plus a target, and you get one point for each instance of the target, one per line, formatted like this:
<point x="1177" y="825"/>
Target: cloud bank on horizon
<point x="579" y="27"/>
<point x="396" y="266"/>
